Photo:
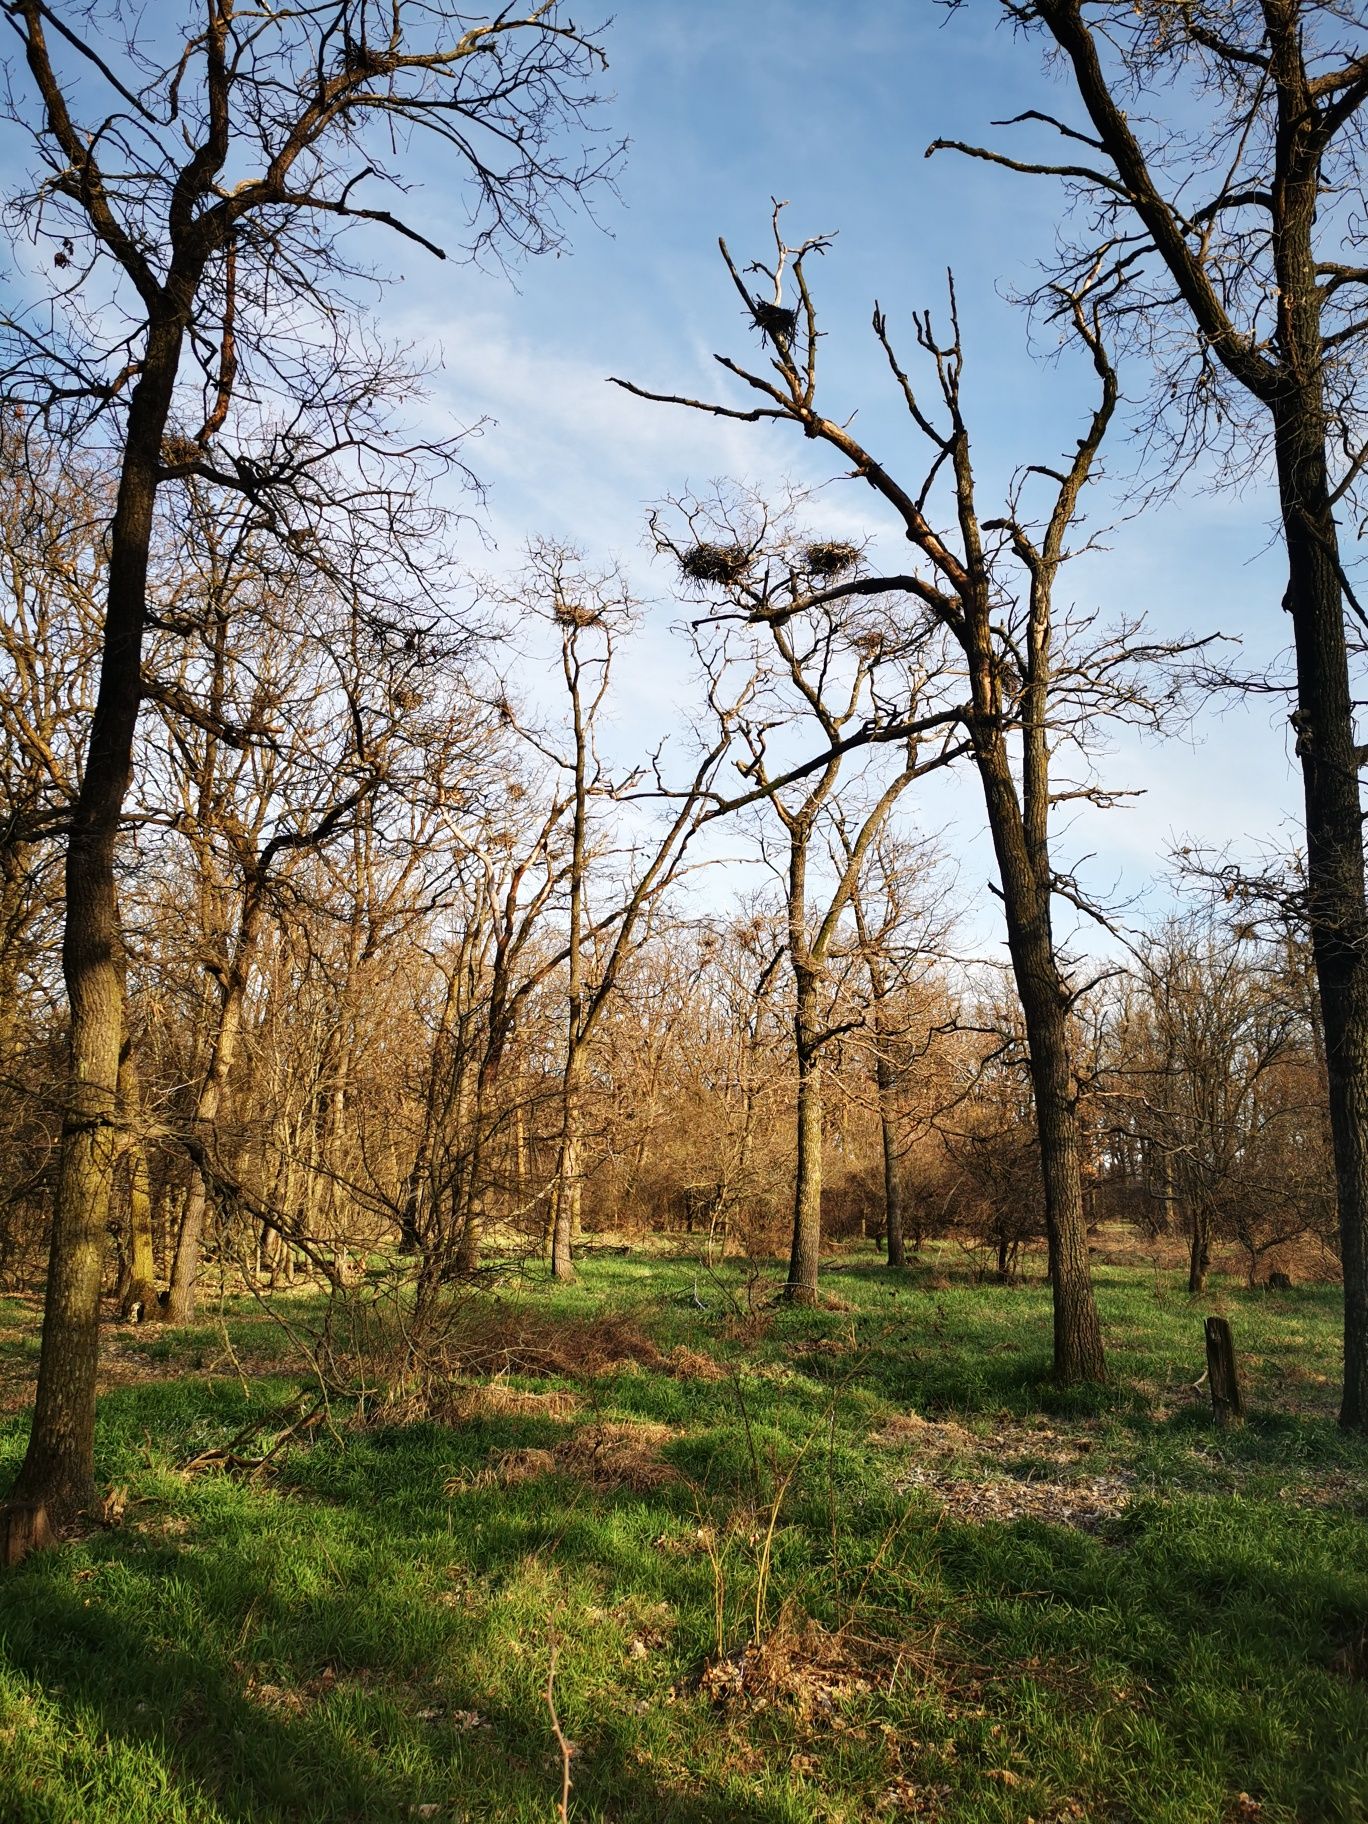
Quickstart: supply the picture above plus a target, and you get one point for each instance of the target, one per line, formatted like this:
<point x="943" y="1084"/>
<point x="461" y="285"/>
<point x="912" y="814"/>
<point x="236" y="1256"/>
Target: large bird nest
<point x="831" y="557"/>
<point x="577" y="614"/>
<point x="722" y="564"/>
<point x="361" y="60"/>
<point x="774" y="320"/>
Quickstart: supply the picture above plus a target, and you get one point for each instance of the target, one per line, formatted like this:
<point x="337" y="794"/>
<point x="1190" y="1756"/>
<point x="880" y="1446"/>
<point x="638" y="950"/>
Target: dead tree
<point x="1031" y="680"/>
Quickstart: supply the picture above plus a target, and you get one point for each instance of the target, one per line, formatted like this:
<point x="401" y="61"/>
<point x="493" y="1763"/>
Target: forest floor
<point x="846" y="1564"/>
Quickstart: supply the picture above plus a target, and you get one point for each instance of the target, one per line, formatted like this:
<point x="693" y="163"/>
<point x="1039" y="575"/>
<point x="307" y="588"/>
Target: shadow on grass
<point x="261" y="1697"/>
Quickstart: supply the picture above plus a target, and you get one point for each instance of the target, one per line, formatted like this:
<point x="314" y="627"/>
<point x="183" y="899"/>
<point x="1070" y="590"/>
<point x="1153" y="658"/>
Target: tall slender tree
<point x="1230" y="241"/>
<point x="1037" y="680"/>
<point x="192" y="198"/>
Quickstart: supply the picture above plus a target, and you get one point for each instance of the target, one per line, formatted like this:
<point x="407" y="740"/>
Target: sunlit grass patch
<point x="779" y="1621"/>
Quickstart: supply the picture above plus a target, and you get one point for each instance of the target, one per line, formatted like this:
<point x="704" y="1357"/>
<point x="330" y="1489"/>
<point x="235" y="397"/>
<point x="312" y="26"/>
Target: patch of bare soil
<point x="1035" y="1493"/>
<point x="617" y="1455"/>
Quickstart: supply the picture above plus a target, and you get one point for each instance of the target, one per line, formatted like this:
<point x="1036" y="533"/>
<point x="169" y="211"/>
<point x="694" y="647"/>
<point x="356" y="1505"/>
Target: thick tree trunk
<point x="1078" y="1352"/>
<point x="806" y="1249"/>
<point x="1334" y="853"/>
<point x="59" y="1466"/>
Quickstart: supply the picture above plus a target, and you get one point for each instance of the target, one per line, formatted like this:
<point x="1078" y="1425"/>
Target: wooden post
<point x="1227" y="1402"/>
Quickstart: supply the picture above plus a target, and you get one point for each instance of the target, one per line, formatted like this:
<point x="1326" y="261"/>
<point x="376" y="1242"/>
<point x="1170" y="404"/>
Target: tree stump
<point x="23" y="1529"/>
<point x="1227" y="1402"/>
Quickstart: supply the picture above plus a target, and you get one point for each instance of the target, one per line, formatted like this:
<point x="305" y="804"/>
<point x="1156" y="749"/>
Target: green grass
<point x="366" y="1633"/>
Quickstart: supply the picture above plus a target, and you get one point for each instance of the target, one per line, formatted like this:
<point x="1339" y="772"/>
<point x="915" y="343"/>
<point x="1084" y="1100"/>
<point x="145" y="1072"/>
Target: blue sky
<point x="727" y="104"/>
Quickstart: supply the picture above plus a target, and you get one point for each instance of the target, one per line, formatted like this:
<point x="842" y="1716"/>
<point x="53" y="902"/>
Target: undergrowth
<point x="793" y="1565"/>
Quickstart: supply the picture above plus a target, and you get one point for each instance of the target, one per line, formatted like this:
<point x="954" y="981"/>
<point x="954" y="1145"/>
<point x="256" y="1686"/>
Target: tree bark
<point x="1199" y="1249"/>
<point x="138" y="1293"/>
<point x="59" y="1465"/>
<point x="1078" y="1351"/>
<point x="805" y="1252"/>
<point x="569" y="1175"/>
<point x="1227" y="1400"/>
<point x="892" y="1186"/>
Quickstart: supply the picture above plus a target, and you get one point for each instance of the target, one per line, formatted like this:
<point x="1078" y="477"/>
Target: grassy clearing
<point x="365" y="1632"/>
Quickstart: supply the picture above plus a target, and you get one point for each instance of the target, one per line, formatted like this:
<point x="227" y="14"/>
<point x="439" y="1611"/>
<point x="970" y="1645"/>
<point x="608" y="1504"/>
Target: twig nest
<point x="831" y="557"/>
<point x="715" y="563"/>
<point x="179" y="452"/>
<point x="774" y="320"/>
<point x="576" y="614"/>
<point x="361" y="60"/>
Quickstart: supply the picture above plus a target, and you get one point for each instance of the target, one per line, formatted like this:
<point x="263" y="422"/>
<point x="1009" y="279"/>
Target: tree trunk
<point x="138" y="1293"/>
<point x="1227" y="1400"/>
<point x="892" y="1188"/>
<point x="180" y="1297"/>
<point x="569" y="1174"/>
<point x="180" y="1293"/>
<point x="806" y="1249"/>
<point x="1078" y="1352"/>
<point x="59" y="1466"/>
<point x="1334" y="855"/>
<point x="1199" y="1249"/>
<point x="565" y="1214"/>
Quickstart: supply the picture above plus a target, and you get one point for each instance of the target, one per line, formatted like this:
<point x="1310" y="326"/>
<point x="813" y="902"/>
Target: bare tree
<point x="1034" y="678"/>
<point x="1232" y="244"/>
<point x="131" y="199"/>
<point x="826" y="676"/>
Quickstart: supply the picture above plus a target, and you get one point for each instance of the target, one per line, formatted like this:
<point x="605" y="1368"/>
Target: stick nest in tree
<point x="361" y="60"/>
<point x="831" y="557"/>
<point x="773" y="320"/>
<point x="179" y="452"/>
<point x="575" y="614"/>
<point x="715" y="563"/>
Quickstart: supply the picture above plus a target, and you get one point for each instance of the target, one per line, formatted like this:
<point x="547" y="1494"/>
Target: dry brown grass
<point x="609" y="1455"/>
<point x="687" y="1364"/>
<point x="799" y="1665"/>
<point x="497" y="1400"/>
<point x="497" y="1339"/>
